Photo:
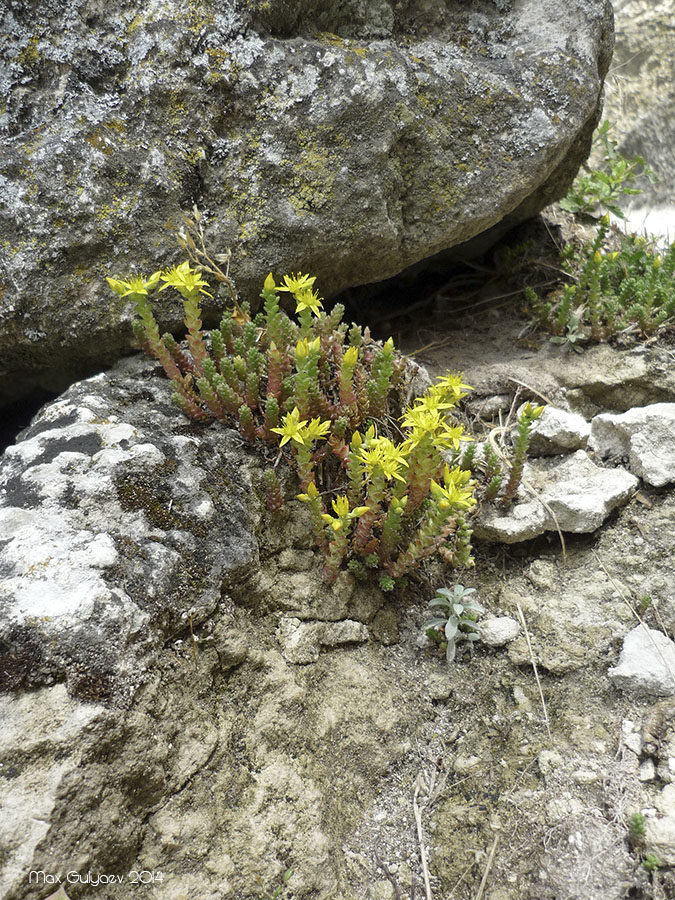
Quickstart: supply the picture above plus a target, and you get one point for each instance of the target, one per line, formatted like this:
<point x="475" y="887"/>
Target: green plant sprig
<point x="457" y="619"/>
<point x="632" y="287"/>
<point x="599" y="190"/>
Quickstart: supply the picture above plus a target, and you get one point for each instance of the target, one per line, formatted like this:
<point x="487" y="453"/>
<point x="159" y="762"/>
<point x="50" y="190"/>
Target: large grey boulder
<point x="117" y="519"/>
<point x="351" y="139"/>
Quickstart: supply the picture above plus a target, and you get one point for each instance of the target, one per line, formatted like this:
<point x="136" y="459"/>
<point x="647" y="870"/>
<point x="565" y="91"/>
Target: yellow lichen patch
<point x="327" y="37"/>
<point x="96" y="140"/>
<point x="312" y="176"/>
<point x="29" y="55"/>
<point x="116" y="125"/>
<point x="135" y="23"/>
<point x="248" y="231"/>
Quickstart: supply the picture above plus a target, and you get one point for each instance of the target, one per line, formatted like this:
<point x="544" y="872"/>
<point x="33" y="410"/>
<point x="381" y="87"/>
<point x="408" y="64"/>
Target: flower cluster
<point x="374" y="477"/>
<point x="408" y="503"/>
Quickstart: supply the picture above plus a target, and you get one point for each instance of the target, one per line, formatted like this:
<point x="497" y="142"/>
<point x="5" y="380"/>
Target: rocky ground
<point x="537" y="771"/>
<point x="290" y="728"/>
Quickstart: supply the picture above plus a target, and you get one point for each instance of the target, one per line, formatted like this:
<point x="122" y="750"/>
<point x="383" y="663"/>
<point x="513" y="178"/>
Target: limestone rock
<point x="600" y="379"/>
<point x="660" y="839"/>
<point x="114" y="510"/>
<point x="335" y="634"/>
<point x="558" y="431"/>
<point x="351" y="139"/>
<point x="646" y="664"/>
<point x="302" y="641"/>
<point x="299" y="640"/>
<point x="573" y="489"/>
<point x="646" y="435"/>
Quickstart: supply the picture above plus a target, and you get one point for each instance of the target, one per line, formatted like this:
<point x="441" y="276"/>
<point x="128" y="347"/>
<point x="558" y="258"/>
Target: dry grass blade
<point x="488" y="866"/>
<point x="534" y="669"/>
<point x="532" y="390"/>
<point x="420" y="838"/>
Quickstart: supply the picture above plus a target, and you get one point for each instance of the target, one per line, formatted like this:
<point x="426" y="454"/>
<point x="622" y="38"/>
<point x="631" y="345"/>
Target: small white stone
<point x="522" y="699"/>
<point x="632" y="738"/>
<point x="463" y="765"/>
<point x="633" y="742"/>
<point x="575" y="840"/>
<point x="584" y="776"/>
<point x="647" y="770"/>
<point x="660" y="839"/>
<point x="346" y="632"/>
<point x="645" y="434"/>
<point x="665" y="801"/>
<point x="497" y="631"/>
<point x="299" y="640"/>
<point x="548" y="761"/>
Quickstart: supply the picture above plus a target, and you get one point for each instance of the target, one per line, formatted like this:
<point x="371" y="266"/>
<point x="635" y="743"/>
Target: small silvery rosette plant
<point x="383" y="485"/>
<point x="457" y="619"/>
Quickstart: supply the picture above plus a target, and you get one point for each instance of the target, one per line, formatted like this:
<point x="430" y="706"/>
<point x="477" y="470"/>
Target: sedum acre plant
<point x="384" y="486"/>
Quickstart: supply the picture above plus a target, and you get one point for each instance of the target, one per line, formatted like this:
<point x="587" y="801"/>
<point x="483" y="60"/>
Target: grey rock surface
<point x="112" y="511"/>
<point x="646" y="664"/>
<point x="352" y="139"/>
<point x="600" y="380"/>
<point x="301" y="642"/>
<point x="230" y="765"/>
<point x="570" y="493"/>
<point x="645" y="435"/>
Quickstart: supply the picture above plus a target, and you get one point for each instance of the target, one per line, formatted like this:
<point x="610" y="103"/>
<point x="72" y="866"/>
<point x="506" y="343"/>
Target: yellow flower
<point x="343" y="515"/>
<point x="350" y="357"/>
<point x="385" y="455"/>
<point x="292" y="428"/>
<point x="308" y="300"/>
<point x="457" y="489"/>
<point x="316" y="429"/>
<point x="187" y="281"/>
<point x="297" y="284"/>
<point x="452" y="386"/>
<point x="531" y="412"/>
<point x="301" y="432"/>
<point x="356" y="440"/>
<point x="450" y="436"/>
<point x="312" y="493"/>
<point x="434" y="398"/>
<point x="269" y="283"/>
<point x="304" y="347"/>
<point x="136" y="285"/>
<point x="422" y="422"/>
